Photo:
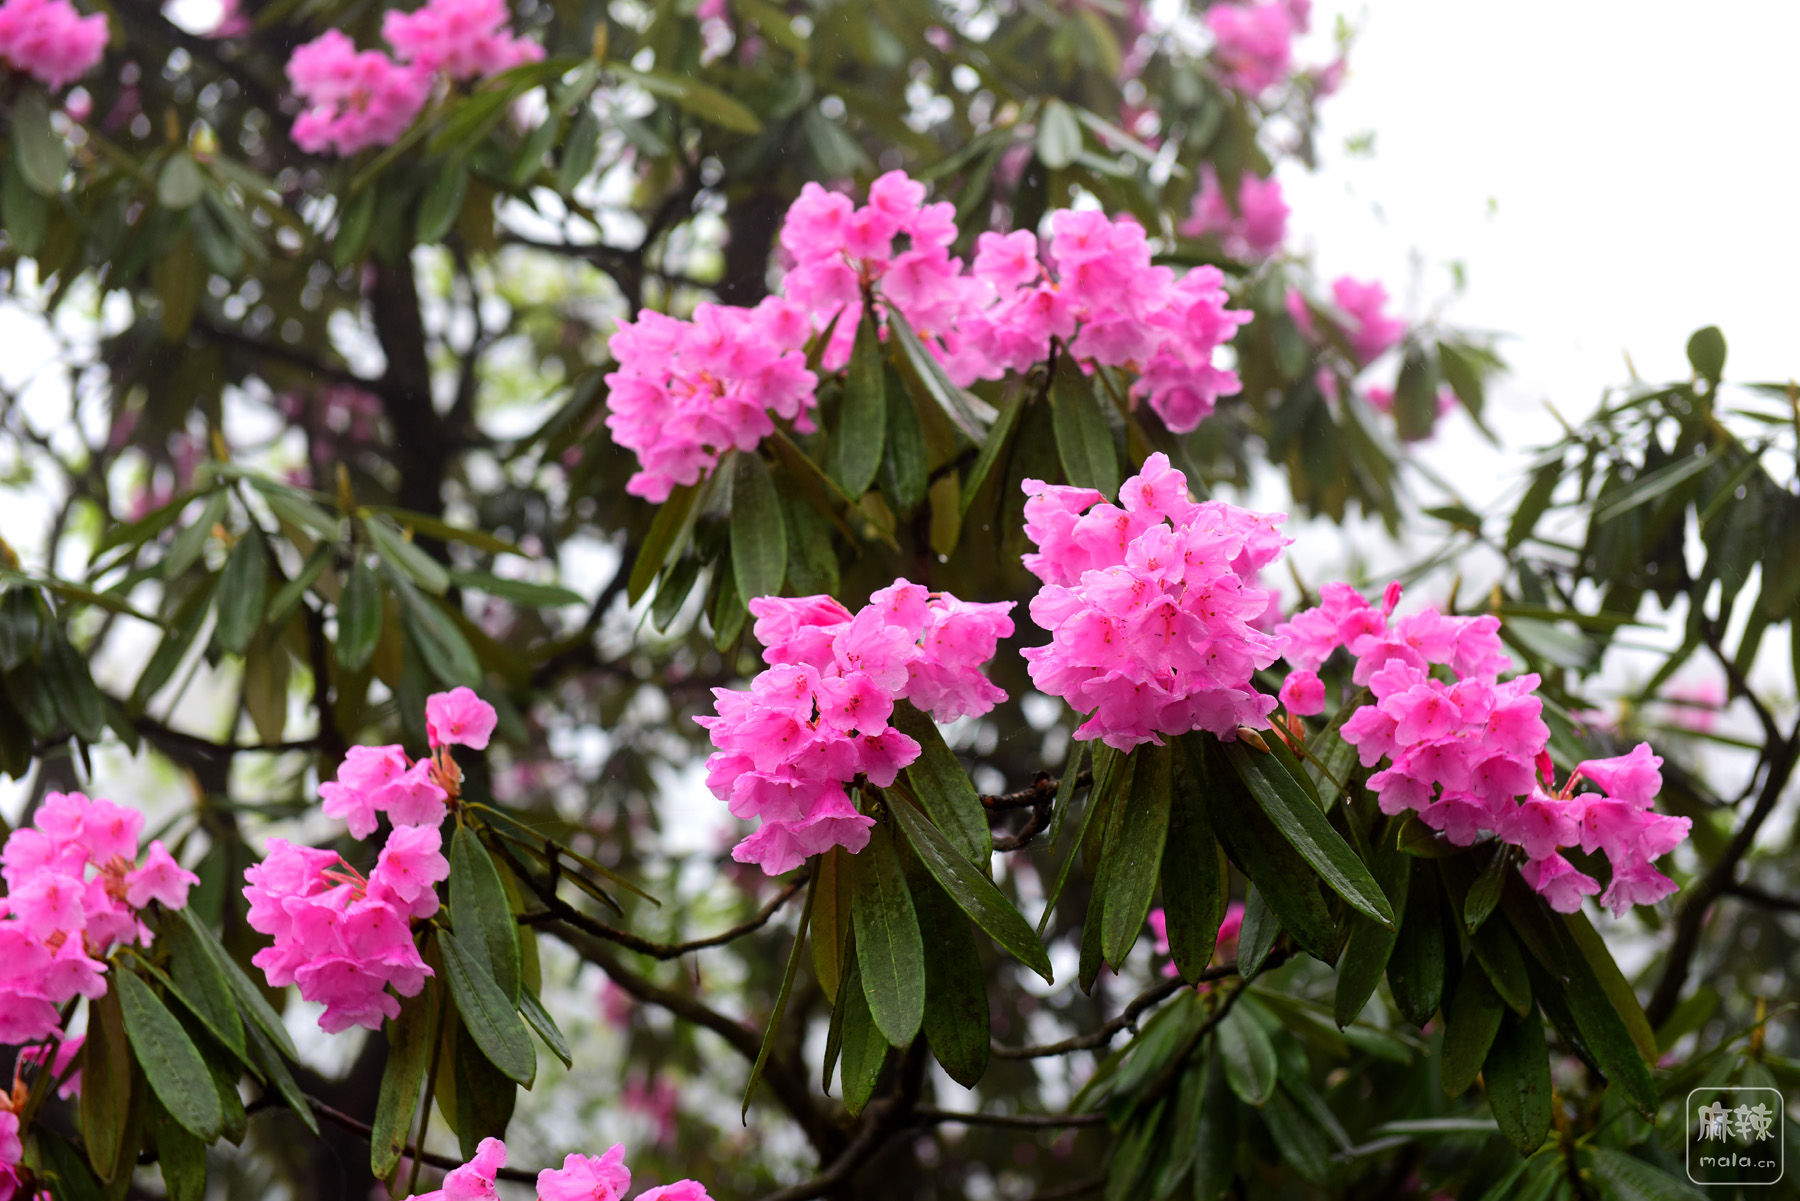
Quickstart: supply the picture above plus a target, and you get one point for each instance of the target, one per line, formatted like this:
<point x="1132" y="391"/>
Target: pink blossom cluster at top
<point x="344" y="938"/>
<point x="1254" y="229"/>
<point x="787" y="746"/>
<point x="688" y="391"/>
<point x="1150" y="604"/>
<point x="50" y="41"/>
<point x="685" y="391"/>
<point x="1469" y="756"/>
<point x="581" y="1178"/>
<point x="1253" y="43"/>
<point x="74" y="891"/>
<point x="357" y="99"/>
<point x="1093" y="288"/>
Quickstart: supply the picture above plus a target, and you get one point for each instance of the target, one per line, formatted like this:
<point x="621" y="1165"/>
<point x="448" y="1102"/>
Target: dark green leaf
<point x="903" y="473"/>
<point x="65" y="671"/>
<point x="525" y="592"/>
<point x="180" y="1155"/>
<point x="1298" y="1138"/>
<point x="249" y="997"/>
<point x="1415" y="970"/>
<point x="972" y="891"/>
<point x="890" y="952"/>
<point x="1058" y="136"/>
<point x="923" y="371"/>
<point x="1536" y="499"/>
<point x="1249" y="1056"/>
<point x="943" y="788"/>
<point x="1287" y="804"/>
<point x="192" y="539"/>
<point x="269" y="1060"/>
<point x="409" y="1047"/>
<point x="544" y="1026"/>
<point x="781" y="998"/>
<point x="1517" y="1076"/>
<point x="1084" y="440"/>
<point x="488" y="1016"/>
<point x="1134" y="860"/>
<point x="179" y="185"/>
<point x="1216" y="1158"/>
<point x="1485" y="892"/>
<point x="1415" y="397"/>
<point x="1706" y="352"/>
<point x="1470" y="1023"/>
<point x="864" y="1047"/>
<point x="1256" y="937"/>
<point x="581" y="150"/>
<point x="956" y="1004"/>
<point x="37" y="148"/>
<point x="172" y="1065"/>
<point x="200" y="983"/>
<point x="401" y="552"/>
<point x="992" y="447"/>
<point x="485" y="1096"/>
<point x="862" y="419"/>
<point x="1500" y="957"/>
<point x="707" y="103"/>
<point x="481" y="913"/>
<point x="20" y="621"/>
<point x="1265" y="855"/>
<point x="1629" y="1179"/>
<point x="359" y="617"/>
<point x="442" y="202"/>
<point x="1370" y="946"/>
<point x="1193" y="879"/>
<point x="106" y="1085"/>
<point x="758" y="535"/>
<point x="662" y="541"/>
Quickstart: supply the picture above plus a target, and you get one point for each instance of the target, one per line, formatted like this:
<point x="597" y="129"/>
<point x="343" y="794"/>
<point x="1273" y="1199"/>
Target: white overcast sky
<point x="1613" y="176"/>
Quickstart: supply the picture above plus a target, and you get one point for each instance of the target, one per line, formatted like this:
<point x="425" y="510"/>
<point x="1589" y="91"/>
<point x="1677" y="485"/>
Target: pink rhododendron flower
<point x="1254" y="44"/>
<point x="459" y="718"/>
<point x="1303" y="693"/>
<point x="1468" y="754"/>
<point x="1371" y="331"/>
<point x="465" y="39"/>
<point x="1150" y="606"/>
<point x="12" y="1154"/>
<point x="474" y="1181"/>
<point x="66" y="1050"/>
<point x="74" y="891"/>
<point x="355" y="99"/>
<point x="788" y="747"/>
<point x="1254" y="229"/>
<point x="50" y="41"/>
<point x="587" y="1178"/>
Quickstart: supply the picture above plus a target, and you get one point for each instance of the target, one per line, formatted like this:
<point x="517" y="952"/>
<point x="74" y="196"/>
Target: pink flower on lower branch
<point x="790" y="747"/>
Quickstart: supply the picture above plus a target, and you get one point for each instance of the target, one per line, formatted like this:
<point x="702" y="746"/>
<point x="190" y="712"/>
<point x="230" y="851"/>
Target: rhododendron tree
<point x="750" y="585"/>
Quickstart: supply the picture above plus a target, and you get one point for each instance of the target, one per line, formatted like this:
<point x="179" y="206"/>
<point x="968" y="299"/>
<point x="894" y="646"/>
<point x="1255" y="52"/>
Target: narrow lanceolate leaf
<point x="904" y="473"/>
<point x="1484" y="893"/>
<point x="942" y="787"/>
<point x="545" y="1027"/>
<point x="864" y="1047"/>
<point x="1470" y="1023"/>
<point x="200" y="984"/>
<point x="1192" y="876"/>
<point x="171" y="1063"/>
<point x="889" y="949"/>
<point x="956" y="1004"/>
<point x="1285" y="879"/>
<point x="1134" y="860"/>
<point x="106" y="1085"/>
<point x="1285" y="800"/>
<point x="923" y="368"/>
<point x="1084" y="440"/>
<point x="1517" y="1076"/>
<point x="180" y="1155"/>
<point x="1416" y="967"/>
<point x="862" y="421"/>
<point x="758" y="535"/>
<point x="358" y="618"/>
<point x="1216" y="1156"/>
<point x="405" y="555"/>
<point x="973" y="892"/>
<point x="830" y="920"/>
<point x="481" y="913"/>
<point x="409" y="1054"/>
<point x="269" y="1060"/>
<point x="781" y="998"/>
<point x="1256" y="937"/>
<point x="1250" y="1064"/>
<point x="663" y="540"/>
<point x="1367" y="950"/>
<point x="489" y="1017"/>
<point x="1629" y="1179"/>
<point x="254" y="1004"/>
<point x="37" y="148"/>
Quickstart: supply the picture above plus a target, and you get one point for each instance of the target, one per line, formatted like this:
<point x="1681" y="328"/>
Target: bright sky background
<point x="1612" y="175"/>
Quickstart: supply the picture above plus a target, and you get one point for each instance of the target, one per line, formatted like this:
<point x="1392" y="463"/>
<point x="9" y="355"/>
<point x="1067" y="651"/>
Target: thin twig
<point x="563" y="912"/>
<point x="338" y="1117"/>
<point x="1010" y="1121"/>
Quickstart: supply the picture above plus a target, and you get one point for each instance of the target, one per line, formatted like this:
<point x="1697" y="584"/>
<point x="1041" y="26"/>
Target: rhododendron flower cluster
<point x="344" y="938"/>
<point x="12" y="1152"/>
<point x="1468" y="754"/>
<point x="1254" y="229"/>
<point x="1151" y="605"/>
<point x="50" y="41"/>
<point x="790" y="744"/>
<point x="357" y="99"/>
<point x="1371" y="330"/>
<point x="75" y="890"/>
<point x="581" y="1178"/>
<point x="688" y="391"/>
<point x="1253" y="43"/>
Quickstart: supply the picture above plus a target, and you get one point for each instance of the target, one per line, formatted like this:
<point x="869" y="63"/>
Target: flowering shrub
<point x="1151" y="606"/>
<point x="790" y="745"/>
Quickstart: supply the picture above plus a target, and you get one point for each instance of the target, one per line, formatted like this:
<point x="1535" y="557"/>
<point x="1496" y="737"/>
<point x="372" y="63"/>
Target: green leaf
<point x="972" y="891"/>
<point x="1249" y="1056"/>
<point x="1484" y="893"/>
<point x="545" y="1027"/>
<point x="487" y="1015"/>
<point x="180" y="1155"/>
<point x="831" y="922"/>
<point x="270" y="1061"/>
<point x="864" y="1047"/>
<point x="1084" y="440"/>
<point x="287" y="597"/>
<point x="1058" y="136"/>
<point x="922" y="370"/>
<point x="1517" y="1077"/>
<point x="442" y="203"/>
<point x="1216" y="1156"/>
<point x="1592" y="950"/>
<point x="903" y="473"/>
<point x="249" y="997"/>
<point x="862" y="419"/>
<point x="404" y="554"/>
<point x="956" y="1004"/>
<point x="20" y="622"/>
<point x="1416" y="968"/>
<point x="485" y="1096"/>
<point x="1256" y="937"/>
<point x="1369" y="947"/>
<point x="243" y="584"/>
<point x="1415" y="397"/>
<point x="1285" y="801"/>
<point x="1193" y="878"/>
<point x="1706" y="352"/>
<point x="1500" y="957"/>
<point x="1133" y="861"/>
<point x="1628" y="1179"/>
<point x="1185" y="1126"/>
<point x="781" y="998"/>
<point x="758" y="535"/>
<point x="435" y="633"/>
<point x="409" y="1047"/>
<point x="186" y="548"/>
<point x="37" y="148"/>
<point x="1536" y="499"/>
<point x="480" y="910"/>
<point x="663" y="540"/>
<point x="65" y="671"/>
<point x="942" y="787"/>
<point x="1265" y="855"/>
<point x="890" y="952"/>
<point x="524" y="592"/>
<point x="359" y="617"/>
<point x="179" y="185"/>
<point x="1299" y="1139"/>
<point x="176" y="1072"/>
<point x="1470" y="1023"/>
<point x="707" y="103"/>
<point x="106" y="1085"/>
<point x="581" y="150"/>
<point x="200" y="983"/>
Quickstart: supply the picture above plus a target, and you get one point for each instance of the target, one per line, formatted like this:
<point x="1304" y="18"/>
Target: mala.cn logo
<point x="1734" y="1136"/>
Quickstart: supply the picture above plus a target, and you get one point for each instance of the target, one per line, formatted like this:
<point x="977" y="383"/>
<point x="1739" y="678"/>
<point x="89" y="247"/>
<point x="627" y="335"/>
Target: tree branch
<point x="561" y="911"/>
